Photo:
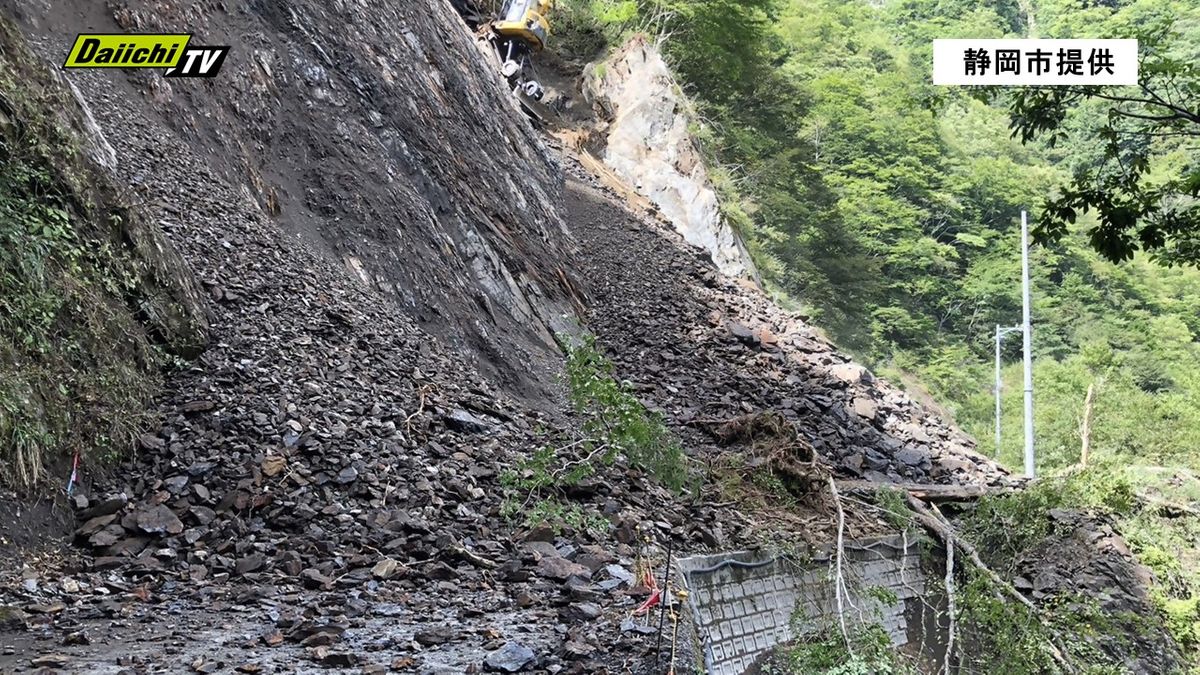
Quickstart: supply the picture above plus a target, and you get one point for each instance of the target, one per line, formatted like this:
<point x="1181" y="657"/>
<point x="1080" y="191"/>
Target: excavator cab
<point x="521" y="29"/>
<point x="526" y="21"/>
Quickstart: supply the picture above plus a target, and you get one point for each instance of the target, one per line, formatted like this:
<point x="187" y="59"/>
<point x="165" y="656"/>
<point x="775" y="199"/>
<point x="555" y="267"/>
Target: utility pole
<point x="1030" y="467"/>
<point x="1001" y="331"/>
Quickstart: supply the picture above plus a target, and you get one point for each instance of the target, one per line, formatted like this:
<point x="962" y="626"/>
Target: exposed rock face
<point x="1084" y="560"/>
<point x="375" y="133"/>
<point x="648" y="143"/>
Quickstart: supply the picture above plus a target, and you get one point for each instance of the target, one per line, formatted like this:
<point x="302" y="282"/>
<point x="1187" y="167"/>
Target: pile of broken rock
<point x="700" y="347"/>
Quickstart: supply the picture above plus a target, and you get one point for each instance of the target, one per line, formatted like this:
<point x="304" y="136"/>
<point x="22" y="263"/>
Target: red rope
<point x="74" y="474"/>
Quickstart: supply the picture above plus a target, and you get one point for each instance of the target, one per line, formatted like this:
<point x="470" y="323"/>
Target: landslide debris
<point x="705" y="350"/>
<point x="379" y="239"/>
<point x="321" y="485"/>
<point x="373" y="132"/>
<point x="1085" y="566"/>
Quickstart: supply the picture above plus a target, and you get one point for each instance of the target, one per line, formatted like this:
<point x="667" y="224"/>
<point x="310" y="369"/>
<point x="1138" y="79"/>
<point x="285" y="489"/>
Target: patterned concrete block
<point x="744" y="603"/>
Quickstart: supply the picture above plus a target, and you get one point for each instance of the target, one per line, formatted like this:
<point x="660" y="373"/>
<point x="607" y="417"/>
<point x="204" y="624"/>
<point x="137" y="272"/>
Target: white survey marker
<point x="1035" y="62"/>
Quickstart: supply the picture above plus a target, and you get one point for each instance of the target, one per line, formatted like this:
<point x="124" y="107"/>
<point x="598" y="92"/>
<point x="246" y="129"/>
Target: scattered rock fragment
<point x="250" y="563"/>
<point x="50" y="608"/>
<point x="513" y="657"/>
<point x="461" y="420"/>
<point x="385" y="569"/>
<point x="273" y="465"/>
<point x="582" y="611"/>
<point x="436" y="635"/>
<point x="560" y="569"/>
<point x="51" y="661"/>
<point x="158" y="519"/>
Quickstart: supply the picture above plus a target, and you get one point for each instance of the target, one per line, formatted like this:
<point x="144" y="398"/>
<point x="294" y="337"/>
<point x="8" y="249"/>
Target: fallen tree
<point x="936" y="524"/>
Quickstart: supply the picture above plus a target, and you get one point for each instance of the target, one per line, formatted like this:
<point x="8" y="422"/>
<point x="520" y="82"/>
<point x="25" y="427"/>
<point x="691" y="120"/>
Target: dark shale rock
<point x="461" y="420"/>
<point x="560" y="569"/>
<point x="513" y="657"/>
<point x="157" y="519"/>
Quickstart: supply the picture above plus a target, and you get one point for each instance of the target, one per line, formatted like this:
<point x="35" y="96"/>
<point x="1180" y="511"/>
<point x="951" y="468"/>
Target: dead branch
<point x="1167" y="508"/>
<point x="945" y="532"/>
<point x="1085" y="429"/>
<point x="838" y="581"/>
<point x="930" y="493"/>
<point x="420" y="409"/>
<point x="562" y="471"/>
<point x="474" y="558"/>
<point x="950" y="603"/>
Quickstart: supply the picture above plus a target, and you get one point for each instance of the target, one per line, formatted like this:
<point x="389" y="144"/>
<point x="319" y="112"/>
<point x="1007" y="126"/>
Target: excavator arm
<point x="521" y="29"/>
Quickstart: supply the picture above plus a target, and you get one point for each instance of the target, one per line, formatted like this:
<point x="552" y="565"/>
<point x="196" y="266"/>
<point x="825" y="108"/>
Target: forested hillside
<point x="888" y="209"/>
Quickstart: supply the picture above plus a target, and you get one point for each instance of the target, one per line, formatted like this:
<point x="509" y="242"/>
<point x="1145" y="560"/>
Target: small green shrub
<point x="1182" y="619"/>
<point x="586" y="28"/>
<point x="1006" y="525"/>
<point x="615" y="419"/>
<point x="614" y="425"/>
<point x="826" y="653"/>
<point x="895" y="509"/>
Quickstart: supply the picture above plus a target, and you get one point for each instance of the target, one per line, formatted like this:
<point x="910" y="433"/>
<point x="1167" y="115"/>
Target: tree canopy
<point x="1139" y="203"/>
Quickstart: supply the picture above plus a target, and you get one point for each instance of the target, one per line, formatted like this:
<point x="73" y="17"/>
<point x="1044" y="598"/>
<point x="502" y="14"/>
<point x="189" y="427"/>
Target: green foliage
<point x="1006" y="637"/>
<point x="895" y="508"/>
<point x="619" y="422"/>
<point x="580" y="28"/>
<point x="870" y="652"/>
<point x="881" y="594"/>
<point x="76" y="368"/>
<point x="1006" y="525"/>
<point x="553" y="511"/>
<point x="1013" y="640"/>
<point x="615" y="426"/>
<point x="1133" y="127"/>
<point x="1168" y="546"/>
<point x="1182" y="617"/>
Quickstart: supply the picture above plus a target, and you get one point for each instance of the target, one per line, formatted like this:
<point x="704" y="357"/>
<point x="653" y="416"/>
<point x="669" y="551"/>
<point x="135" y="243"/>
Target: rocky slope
<point x="646" y="137"/>
<point x="325" y="468"/>
<point x="362" y="130"/>
<point x="704" y="348"/>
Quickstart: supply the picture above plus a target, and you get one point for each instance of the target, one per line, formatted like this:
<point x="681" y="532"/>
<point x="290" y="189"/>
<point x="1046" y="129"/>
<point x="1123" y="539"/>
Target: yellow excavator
<point x="520" y="30"/>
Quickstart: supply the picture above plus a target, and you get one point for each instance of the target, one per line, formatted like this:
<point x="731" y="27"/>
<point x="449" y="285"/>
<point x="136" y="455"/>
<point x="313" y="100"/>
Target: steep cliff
<point x="376" y="135"/>
<point x="647" y="139"/>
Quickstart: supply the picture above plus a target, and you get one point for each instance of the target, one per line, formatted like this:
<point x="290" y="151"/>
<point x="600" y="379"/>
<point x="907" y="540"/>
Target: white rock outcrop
<point x="649" y="145"/>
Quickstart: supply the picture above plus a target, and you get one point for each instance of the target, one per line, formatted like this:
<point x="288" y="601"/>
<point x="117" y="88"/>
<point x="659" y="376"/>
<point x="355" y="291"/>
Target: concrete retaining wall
<point x="745" y="603"/>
